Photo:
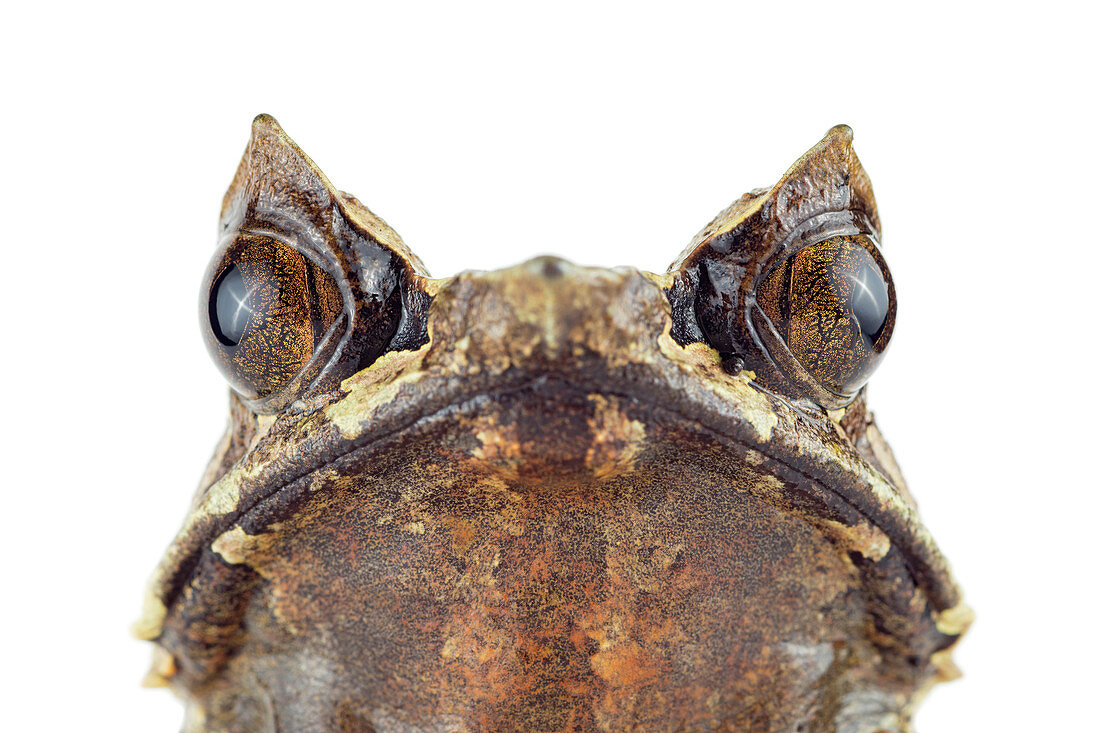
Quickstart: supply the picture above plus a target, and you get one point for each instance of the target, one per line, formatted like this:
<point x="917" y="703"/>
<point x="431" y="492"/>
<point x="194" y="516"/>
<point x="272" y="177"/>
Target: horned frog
<point x="550" y="497"/>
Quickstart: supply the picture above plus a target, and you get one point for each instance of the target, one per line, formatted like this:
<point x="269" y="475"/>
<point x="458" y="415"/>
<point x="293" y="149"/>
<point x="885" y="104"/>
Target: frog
<point x="550" y="497"/>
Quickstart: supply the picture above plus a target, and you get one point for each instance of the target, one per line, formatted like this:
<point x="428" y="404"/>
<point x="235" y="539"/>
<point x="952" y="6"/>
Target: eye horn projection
<point x="550" y="497"/>
<point x="308" y="285"/>
<point x="789" y="282"/>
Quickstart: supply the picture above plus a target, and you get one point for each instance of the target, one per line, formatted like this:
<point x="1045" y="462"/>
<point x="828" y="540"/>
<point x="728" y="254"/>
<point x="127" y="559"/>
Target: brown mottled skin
<point x="551" y="498"/>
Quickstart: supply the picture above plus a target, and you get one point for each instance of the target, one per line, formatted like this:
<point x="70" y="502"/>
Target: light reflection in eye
<point x="232" y="307"/>
<point x="869" y="301"/>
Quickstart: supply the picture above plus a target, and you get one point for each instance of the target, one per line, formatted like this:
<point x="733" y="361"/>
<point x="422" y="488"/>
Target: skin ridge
<point x="942" y="598"/>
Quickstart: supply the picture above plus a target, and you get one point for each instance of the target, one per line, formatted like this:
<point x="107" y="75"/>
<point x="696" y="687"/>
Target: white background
<point x="607" y="134"/>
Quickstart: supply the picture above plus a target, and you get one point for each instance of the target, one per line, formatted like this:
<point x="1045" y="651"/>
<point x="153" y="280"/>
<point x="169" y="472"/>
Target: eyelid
<point x="814" y="230"/>
<point x="311" y="246"/>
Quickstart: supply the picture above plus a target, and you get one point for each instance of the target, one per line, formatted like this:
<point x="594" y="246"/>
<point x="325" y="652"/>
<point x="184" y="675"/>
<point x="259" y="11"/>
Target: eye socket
<point x="266" y="308"/>
<point x="833" y="304"/>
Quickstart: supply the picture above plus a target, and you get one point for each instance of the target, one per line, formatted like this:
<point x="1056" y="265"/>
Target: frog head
<point x="550" y="497"/>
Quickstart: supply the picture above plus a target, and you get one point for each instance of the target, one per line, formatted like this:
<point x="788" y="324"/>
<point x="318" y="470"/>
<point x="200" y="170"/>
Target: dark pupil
<point x="230" y="307"/>
<point x="870" y="301"/>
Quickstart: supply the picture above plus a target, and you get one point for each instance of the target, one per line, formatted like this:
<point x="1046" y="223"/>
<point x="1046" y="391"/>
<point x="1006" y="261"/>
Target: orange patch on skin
<point x="481" y="652"/>
<point x="462" y="535"/>
<point x="625" y="664"/>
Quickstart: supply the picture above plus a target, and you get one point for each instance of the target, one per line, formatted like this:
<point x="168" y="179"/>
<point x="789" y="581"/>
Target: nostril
<point x="550" y="268"/>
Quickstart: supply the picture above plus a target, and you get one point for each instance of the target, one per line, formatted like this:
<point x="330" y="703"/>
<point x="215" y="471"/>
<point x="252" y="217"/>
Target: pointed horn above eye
<point x="828" y="178"/>
<point x="275" y="174"/>
<point x="275" y="179"/>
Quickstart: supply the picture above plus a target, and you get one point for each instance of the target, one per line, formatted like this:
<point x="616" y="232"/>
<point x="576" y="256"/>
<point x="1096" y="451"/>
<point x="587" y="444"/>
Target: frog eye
<point x="833" y="305"/>
<point x="265" y="309"/>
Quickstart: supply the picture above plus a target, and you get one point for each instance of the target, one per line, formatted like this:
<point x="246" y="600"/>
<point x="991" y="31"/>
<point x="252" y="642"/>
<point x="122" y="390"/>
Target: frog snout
<point x="547" y="311"/>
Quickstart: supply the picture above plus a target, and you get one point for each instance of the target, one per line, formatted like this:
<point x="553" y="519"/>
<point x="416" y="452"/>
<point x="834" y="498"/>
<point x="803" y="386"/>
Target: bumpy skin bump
<point x="554" y="512"/>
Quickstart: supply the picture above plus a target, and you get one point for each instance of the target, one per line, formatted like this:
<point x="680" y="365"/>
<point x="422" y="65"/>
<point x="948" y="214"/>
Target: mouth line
<point x="925" y="564"/>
